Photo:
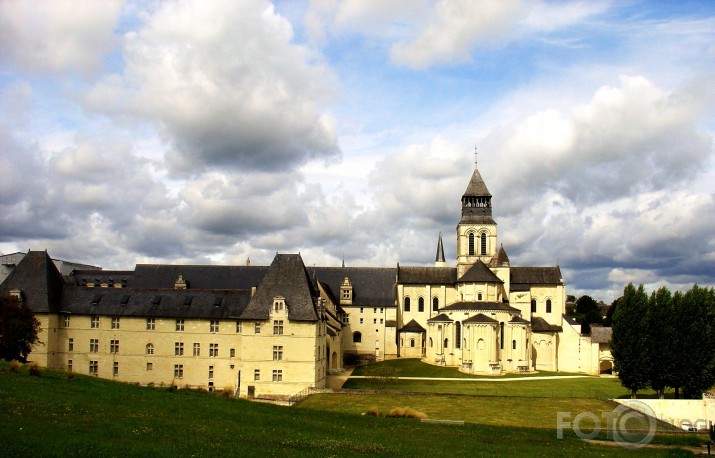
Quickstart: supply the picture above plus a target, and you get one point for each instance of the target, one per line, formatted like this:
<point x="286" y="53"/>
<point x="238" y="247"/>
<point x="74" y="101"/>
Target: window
<point x="382" y="320"/>
<point x="178" y="348"/>
<point x="382" y="309"/>
<point x="69" y="365"/>
<point x="114" y="346"/>
<point x="115" y="322"/>
<point x="346" y="294"/>
<point x="149" y="349"/>
<point x="93" y="367"/>
<point x="357" y="337"/>
<point x="421" y="304"/>
<point x="232" y="353"/>
<point x="479" y="296"/>
<point x="66" y="321"/>
<point x="197" y="349"/>
<point x="361" y="309"/>
<point x="257" y="375"/>
<point x="374" y="321"/>
<point x="178" y="371"/>
<point x="533" y="306"/>
<point x="115" y="370"/>
<point x="458" y="334"/>
<point x="278" y="306"/>
<point x="277" y="352"/>
<point x="471" y="244"/>
<point x="501" y="335"/>
<point x="435" y="304"/>
<point x="150" y="366"/>
<point x="484" y="243"/>
<point x="95" y="322"/>
<point x="277" y="375"/>
<point x="213" y="327"/>
<point x="257" y="328"/>
<point x="407" y="304"/>
<point x="548" y="305"/>
<point x="374" y="310"/>
<point x="430" y="342"/>
<point x="93" y="345"/>
<point x="361" y="321"/>
<point x="213" y="349"/>
<point x="179" y="325"/>
<point x="238" y="327"/>
<point x="446" y="343"/>
<point x="513" y="344"/>
<point x="412" y="343"/>
<point x="211" y="372"/>
<point x="278" y="327"/>
<point x="150" y="324"/>
<point x="70" y="344"/>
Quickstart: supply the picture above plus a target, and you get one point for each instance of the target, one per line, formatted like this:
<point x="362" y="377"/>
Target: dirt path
<point x="336" y="381"/>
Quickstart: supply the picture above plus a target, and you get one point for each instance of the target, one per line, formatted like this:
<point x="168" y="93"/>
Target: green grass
<point x="413" y="367"/>
<point x="52" y="415"/>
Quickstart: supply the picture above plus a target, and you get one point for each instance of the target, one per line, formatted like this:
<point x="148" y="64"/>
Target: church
<point x="279" y="330"/>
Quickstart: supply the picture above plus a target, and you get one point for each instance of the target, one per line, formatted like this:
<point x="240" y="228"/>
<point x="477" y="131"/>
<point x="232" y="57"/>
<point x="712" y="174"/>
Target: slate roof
<point x="39" y="280"/>
<point x="539" y="324"/>
<point x="479" y="273"/>
<point x="372" y="286"/>
<point x="97" y="277"/>
<point x="518" y="319"/>
<point x="480" y="318"/>
<point x="391" y="323"/>
<point x="412" y="326"/>
<point x="441" y="318"/>
<point x="476" y="186"/>
<point x="484" y="306"/>
<point x="285" y="277"/>
<point x="601" y="334"/>
<point x="536" y="275"/>
<point x="426" y="275"/>
<point x="197" y="276"/>
<point x="501" y="259"/>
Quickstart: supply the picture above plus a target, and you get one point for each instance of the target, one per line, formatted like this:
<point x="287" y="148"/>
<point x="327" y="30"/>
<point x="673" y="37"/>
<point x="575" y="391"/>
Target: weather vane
<point x="475" y="156"/>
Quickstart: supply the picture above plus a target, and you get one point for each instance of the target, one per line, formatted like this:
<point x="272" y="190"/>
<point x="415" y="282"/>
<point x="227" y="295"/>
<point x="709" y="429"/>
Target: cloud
<point x="225" y="86"/>
<point x="57" y="36"/>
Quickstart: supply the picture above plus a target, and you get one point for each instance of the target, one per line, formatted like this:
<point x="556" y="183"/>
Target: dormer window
<point x="346" y="291"/>
<point x="181" y="282"/>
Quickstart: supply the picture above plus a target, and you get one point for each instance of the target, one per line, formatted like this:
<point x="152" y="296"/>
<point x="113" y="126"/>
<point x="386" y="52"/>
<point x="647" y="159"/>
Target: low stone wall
<point x="681" y="413"/>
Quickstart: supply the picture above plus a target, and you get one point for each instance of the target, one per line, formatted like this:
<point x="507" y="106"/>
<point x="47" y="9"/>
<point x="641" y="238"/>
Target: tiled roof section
<point x="479" y="273"/>
<point x="197" y="276"/>
<point x="97" y="277"/>
<point x="480" y="318"/>
<point x="539" y="324"/>
<point x="426" y="275"/>
<point x="158" y="303"/>
<point x="501" y="259"/>
<point x="536" y="275"/>
<point x="372" y="286"/>
<point x="412" y="326"/>
<point x="518" y="319"/>
<point x="39" y="280"/>
<point x="601" y="334"/>
<point x="441" y="318"/>
<point x="482" y="306"/>
<point x="476" y="186"/>
<point x="285" y="277"/>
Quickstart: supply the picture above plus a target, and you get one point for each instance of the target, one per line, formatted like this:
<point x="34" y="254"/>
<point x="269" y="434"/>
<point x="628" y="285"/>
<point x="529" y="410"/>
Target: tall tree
<point x="587" y="313"/>
<point x="628" y="341"/>
<point x="18" y="329"/>
<point x="661" y="344"/>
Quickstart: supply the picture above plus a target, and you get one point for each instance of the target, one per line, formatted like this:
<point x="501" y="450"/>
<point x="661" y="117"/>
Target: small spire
<point x="439" y="259"/>
<point x="343" y="262"/>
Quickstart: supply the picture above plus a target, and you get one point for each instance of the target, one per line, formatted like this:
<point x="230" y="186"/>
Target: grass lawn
<point x="53" y="415"/>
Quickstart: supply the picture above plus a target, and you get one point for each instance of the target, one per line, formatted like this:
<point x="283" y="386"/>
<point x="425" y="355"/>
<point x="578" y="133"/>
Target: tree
<point x="662" y="348"/>
<point x="628" y="340"/>
<point x="18" y="329"/>
<point x="587" y="313"/>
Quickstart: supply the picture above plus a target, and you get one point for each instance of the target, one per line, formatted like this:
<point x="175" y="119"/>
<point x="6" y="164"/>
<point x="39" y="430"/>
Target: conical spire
<point x="439" y="259"/>
<point x="477" y="201"/>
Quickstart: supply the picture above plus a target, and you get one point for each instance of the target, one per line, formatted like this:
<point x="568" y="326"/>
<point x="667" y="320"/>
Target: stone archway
<point x="605" y="367"/>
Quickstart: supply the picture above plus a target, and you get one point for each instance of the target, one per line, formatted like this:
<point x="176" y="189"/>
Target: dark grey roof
<point x="285" y="277"/>
<point x="480" y="318"/>
<point x="170" y="303"/>
<point x="440" y="250"/>
<point x="601" y="334"/>
<point x="372" y="286"/>
<point x="97" y="277"/>
<point x="37" y="277"/>
<point x="412" y="326"/>
<point x="479" y="273"/>
<point x="501" y="259"/>
<point x="476" y="186"/>
<point x="198" y="276"/>
<point x="519" y="287"/>
<point x="485" y="306"/>
<point x="426" y="275"/>
<point x="441" y="318"/>
<point x="518" y="319"/>
<point x="391" y="323"/>
<point x="536" y="275"/>
<point x="539" y="324"/>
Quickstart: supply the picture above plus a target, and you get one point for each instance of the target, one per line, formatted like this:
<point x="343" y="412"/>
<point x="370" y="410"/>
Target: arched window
<point x="421" y="304"/>
<point x="412" y="343"/>
<point x="471" y="244"/>
<point x="548" y="305"/>
<point x="513" y="344"/>
<point x="465" y="343"/>
<point x="480" y="344"/>
<point x="533" y="306"/>
<point x="435" y="303"/>
<point x="458" y="333"/>
<point x="357" y="337"/>
<point x="446" y="343"/>
<point x="501" y="335"/>
<point x="479" y="296"/>
<point x="407" y="304"/>
<point x="402" y="342"/>
<point x="484" y="243"/>
<point x="430" y="342"/>
<point x="149" y="349"/>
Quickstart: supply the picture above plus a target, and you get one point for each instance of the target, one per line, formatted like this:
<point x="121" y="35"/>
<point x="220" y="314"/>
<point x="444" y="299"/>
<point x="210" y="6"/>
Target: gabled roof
<point x="426" y="275"/>
<point x="601" y="334"/>
<point x="412" y="326"/>
<point x="518" y="319"/>
<point x="480" y="318"/>
<point x="441" y="318"/>
<point x="484" y="306"/>
<point x="372" y="286"/>
<point x="479" y="273"/>
<point x="539" y="324"/>
<point x="285" y="277"/>
<point x="37" y="277"/>
<point x="536" y="275"/>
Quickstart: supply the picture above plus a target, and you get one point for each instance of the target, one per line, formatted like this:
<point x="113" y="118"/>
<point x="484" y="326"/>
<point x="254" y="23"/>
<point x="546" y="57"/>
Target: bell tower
<point x="477" y="230"/>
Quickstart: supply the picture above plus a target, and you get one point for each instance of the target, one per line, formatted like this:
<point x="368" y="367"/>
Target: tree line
<point x="665" y="340"/>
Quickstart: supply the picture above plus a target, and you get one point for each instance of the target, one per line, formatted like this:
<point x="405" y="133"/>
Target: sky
<point x="211" y="132"/>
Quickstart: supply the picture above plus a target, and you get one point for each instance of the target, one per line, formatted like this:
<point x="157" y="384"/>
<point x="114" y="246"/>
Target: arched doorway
<point x="605" y="367"/>
<point x="334" y="360"/>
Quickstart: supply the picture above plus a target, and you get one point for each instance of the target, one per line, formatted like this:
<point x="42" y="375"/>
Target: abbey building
<point x="274" y="331"/>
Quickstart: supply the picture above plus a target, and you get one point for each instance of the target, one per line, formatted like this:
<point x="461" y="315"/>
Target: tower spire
<point x="439" y="259"/>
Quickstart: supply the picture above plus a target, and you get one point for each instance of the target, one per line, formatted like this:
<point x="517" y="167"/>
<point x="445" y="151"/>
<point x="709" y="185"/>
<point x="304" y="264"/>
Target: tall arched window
<point x="412" y="343"/>
<point x="548" y="305"/>
<point x="149" y="349"/>
<point x="471" y="244"/>
<point x="501" y="335"/>
<point x="446" y="343"/>
<point x="435" y="303"/>
<point x="513" y="344"/>
<point x="357" y="337"/>
<point x="407" y="304"/>
<point x="421" y="304"/>
<point x="533" y="306"/>
<point x="484" y="243"/>
<point x="430" y="342"/>
<point x="458" y="334"/>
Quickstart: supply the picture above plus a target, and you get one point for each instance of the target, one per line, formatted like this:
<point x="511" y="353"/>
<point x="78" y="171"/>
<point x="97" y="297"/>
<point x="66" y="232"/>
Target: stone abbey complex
<point x="273" y="331"/>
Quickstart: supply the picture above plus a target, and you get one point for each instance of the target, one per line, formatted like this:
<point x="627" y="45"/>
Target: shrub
<point x="406" y="412"/>
<point x="373" y="411"/>
<point x="227" y="391"/>
<point x="33" y="369"/>
<point x="15" y="366"/>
